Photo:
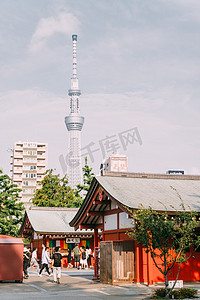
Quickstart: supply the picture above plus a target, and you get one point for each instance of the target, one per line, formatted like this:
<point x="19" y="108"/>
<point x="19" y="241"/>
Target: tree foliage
<point x="166" y="238"/>
<point x="10" y="209"/>
<point x="55" y="192"/>
<point x="87" y="179"/>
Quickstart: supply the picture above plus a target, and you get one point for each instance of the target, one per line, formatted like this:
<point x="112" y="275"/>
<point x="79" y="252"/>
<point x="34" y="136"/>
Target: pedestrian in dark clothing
<point x="52" y="251"/>
<point x="83" y="260"/>
<point x="69" y="258"/>
<point x="57" y="257"/>
<point x="89" y="256"/>
<point x="26" y="262"/>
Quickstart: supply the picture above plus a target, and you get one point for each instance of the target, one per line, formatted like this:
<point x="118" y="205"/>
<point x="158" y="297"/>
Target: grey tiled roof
<point x="133" y="191"/>
<point x="52" y="220"/>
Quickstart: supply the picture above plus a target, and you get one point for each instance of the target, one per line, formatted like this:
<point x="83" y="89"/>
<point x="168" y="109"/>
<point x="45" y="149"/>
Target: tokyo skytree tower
<point x="74" y="123"/>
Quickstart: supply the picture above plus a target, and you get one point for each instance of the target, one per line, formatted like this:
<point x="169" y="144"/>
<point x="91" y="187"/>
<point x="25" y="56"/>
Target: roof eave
<point x="23" y="224"/>
<point x="75" y="221"/>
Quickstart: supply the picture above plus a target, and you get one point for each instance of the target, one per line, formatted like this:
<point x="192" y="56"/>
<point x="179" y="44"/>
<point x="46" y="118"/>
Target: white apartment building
<point x="28" y="165"/>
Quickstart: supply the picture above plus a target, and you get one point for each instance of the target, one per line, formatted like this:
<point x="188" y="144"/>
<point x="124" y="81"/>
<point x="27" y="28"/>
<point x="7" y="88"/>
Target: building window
<point x="30" y="159"/>
<point x="28" y="191"/>
<point x="29" y="167"/>
<point x="30" y="145"/>
<point x="30" y="152"/>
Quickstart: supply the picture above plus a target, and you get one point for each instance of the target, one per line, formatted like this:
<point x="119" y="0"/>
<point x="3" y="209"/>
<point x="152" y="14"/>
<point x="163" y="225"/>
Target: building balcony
<point x="33" y="148"/>
<point x="40" y="177"/>
<point x="41" y="171"/>
<point x="20" y="151"/>
<point x="17" y="171"/>
<point x="18" y="156"/>
<point x="18" y="148"/>
<point x="28" y="194"/>
<point x="41" y="156"/>
<point x="18" y="163"/>
<point x="41" y="163"/>
<point x="41" y="149"/>
<point x="17" y="179"/>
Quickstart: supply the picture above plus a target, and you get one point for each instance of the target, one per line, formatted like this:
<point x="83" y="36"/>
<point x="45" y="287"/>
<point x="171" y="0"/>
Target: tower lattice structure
<point x="74" y="123"/>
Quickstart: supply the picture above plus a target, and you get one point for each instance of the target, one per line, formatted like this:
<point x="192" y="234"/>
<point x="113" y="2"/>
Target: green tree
<point x="55" y="192"/>
<point x="10" y="209"/>
<point x="87" y="179"/>
<point x="160" y="234"/>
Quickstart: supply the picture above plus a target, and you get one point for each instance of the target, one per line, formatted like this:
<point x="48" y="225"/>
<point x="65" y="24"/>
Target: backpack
<point x="57" y="259"/>
<point x="83" y="255"/>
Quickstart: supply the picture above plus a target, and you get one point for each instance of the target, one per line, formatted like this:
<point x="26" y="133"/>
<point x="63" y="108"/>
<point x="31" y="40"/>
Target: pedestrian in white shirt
<point x="34" y="260"/>
<point x="45" y="261"/>
<point x="88" y="256"/>
<point x="43" y="250"/>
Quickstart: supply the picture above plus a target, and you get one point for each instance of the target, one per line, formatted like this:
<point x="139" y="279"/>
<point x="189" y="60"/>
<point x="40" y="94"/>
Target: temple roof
<point x="155" y="192"/>
<point x="49" y="220"/>
<point x="130" y="190"/>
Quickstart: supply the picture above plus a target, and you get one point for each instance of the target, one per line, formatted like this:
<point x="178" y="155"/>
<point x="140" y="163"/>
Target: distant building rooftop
<point x="50" y="220"/>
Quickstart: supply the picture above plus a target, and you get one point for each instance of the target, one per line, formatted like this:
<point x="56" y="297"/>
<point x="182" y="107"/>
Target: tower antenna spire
<point x="74" y="123"/>
<point x="74" y="39"/>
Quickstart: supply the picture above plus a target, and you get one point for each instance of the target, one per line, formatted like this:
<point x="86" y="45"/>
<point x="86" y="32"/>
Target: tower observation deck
<point x="74" y="123"/>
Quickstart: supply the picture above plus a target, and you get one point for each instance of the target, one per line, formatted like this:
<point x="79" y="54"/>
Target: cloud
<point x="64" y="23"/>
<point x="186" y="10"/>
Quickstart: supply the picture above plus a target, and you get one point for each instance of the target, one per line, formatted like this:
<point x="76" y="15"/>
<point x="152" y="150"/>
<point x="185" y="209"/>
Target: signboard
<point x="73" y="240"/>
<point x="179" y="284"/>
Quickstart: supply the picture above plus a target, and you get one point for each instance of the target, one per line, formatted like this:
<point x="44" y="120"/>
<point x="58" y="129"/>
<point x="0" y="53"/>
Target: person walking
<point x="77" y="253"/>
<point x="52" y="251"/>
<point x="83" y="258"/>
<point x="88" y="256"/>
<point x="45" y="261"/>
<point x="43" y="250"/>
<point x="56" y="262"/>
<point x="69" y="258"/>
<point x="26" y="261"/>
<point x="34" y="260"/>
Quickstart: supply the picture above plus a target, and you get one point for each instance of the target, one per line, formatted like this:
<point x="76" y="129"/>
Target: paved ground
<point x="74" y="285"/>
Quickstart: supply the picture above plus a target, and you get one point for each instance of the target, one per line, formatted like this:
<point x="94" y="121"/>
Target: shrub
<point x="182" y="293"/>
<point x="159" y="293"/>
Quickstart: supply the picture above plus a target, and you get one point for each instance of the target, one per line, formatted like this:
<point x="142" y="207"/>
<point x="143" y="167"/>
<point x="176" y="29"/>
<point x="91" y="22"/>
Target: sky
<point x="138" y="70"/>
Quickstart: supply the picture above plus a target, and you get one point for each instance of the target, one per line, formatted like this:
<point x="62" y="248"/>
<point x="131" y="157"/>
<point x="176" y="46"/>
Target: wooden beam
<point x="76" y="227"/>
<point x="112" y="211"/>
<point x="29" y="229"/>
<point x="26" y="234"/>
<point x="95" y="213"/>
<point x="88" y="208"/>
<point x="107" y="202"/>
<point x="91" y="226"/>
<point x="98" y="226"/>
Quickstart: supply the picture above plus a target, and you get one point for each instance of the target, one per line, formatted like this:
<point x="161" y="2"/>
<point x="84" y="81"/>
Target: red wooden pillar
<point x="148" y="279"/>
<point x="96" y="255"/>
<point x="103" y="234"/>
<point x="118" y="234"/>
<point x="47" y="242"/>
